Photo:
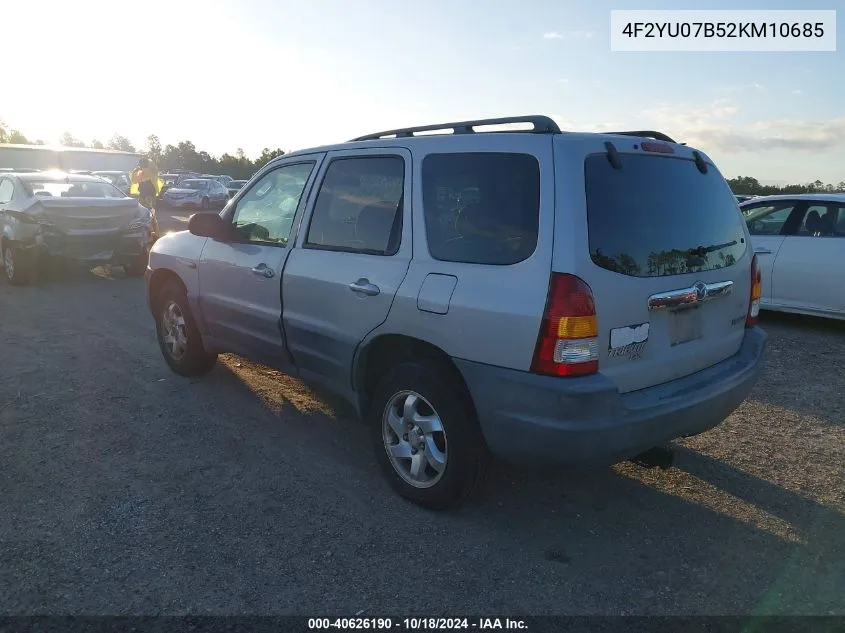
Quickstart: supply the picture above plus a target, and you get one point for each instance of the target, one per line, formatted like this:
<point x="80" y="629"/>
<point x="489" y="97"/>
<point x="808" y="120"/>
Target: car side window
<point x="823" y="220"/>
<point x="6" y="190"/>
<point x="359" y="206"/>
<point x="265" y="214"/>
<point x="767" y="219"/>
<point x="481" y="208"/>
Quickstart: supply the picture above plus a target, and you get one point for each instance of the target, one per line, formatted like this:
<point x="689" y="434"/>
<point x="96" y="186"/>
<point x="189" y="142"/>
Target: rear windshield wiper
<point x="701" y="251"/>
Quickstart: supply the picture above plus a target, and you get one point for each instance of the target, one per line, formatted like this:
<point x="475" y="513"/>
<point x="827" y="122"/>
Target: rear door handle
<point x="364" y="287"/>
<point x="762" y="251"/>
<point x="263" y="270"/>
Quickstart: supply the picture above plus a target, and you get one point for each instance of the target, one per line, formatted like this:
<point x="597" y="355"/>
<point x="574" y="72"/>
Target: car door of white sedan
<point x="808" y="273"/>
<point x="765" y="223"/>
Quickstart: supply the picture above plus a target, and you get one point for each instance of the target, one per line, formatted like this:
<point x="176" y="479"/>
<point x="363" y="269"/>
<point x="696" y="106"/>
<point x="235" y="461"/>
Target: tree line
<point x="182" y="156"/>
<point x="748" y="186"/>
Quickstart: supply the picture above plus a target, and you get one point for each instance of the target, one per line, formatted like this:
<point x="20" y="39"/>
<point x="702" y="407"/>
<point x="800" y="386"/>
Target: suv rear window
<point x="481" y="208"/>
<point x="659" y="216"/>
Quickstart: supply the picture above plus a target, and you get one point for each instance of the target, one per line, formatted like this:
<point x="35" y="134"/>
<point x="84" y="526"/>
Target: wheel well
<point x="389" y="349"/>
<point x="159" y="279"/>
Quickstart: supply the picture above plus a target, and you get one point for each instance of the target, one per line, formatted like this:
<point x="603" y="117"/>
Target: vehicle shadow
<point x="700" y="538"/>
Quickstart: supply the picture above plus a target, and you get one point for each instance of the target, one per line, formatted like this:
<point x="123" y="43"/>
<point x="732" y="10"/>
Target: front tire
<point x="426" y="435"/>
<point x="18" y="265"/>
<point x="178" y="336"/>
<point x="138" y="266"/>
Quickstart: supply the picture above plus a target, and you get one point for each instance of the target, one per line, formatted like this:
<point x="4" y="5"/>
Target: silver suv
<point x="535" y="295"/>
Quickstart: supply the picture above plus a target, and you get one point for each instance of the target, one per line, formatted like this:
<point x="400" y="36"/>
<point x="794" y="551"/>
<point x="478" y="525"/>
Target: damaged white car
<point x="73" y="217"/>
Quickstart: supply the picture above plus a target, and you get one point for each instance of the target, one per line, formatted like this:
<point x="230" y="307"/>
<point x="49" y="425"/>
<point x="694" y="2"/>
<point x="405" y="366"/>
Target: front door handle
<point x="364" y="287"/>
<point x="263" y="270"/>
<point x="762" y="251"/>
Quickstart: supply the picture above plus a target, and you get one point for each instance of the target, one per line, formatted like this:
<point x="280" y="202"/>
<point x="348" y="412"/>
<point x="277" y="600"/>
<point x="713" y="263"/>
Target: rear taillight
<point x="567" y="344"/>
<point x="756" y="293"/>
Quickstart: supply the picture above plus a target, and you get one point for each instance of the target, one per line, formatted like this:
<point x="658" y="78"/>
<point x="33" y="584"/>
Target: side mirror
<point x="210" y="225"/>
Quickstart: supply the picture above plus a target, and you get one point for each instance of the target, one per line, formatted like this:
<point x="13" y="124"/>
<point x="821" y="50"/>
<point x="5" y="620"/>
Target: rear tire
<point x="204" y="204"/>
<point x="178" y="336"/>
<point x="410" y="403"/>
<point x="18" y="264"/>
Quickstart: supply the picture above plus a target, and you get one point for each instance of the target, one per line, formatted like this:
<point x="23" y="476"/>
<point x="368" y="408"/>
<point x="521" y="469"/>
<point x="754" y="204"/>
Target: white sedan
<point x="800" y="245"/>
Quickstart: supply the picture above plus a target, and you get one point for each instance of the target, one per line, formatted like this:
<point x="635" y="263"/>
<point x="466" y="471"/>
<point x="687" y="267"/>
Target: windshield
<point x="194" y="184"/>
<point x="660" y="216"/>
<point x="74" y="189"/>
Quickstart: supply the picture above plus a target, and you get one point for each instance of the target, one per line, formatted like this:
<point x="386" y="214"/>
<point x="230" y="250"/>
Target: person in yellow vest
<point x="145" y="176"/>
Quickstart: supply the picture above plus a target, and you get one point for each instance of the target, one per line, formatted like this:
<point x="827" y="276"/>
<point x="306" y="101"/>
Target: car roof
<point x="809" y="197"/>
<point x="407" y="137"/>
<point x="57" y="176"/>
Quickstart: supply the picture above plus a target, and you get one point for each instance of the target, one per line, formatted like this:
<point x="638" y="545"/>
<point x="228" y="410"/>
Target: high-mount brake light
<point x="756" y="293"/>
<point x="567" y="345"/>
<point x="660" y="148"/>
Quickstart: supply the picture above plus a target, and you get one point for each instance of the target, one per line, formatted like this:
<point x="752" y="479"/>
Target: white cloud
<point x="714" y="128"/>
<point x="569" y="35"/>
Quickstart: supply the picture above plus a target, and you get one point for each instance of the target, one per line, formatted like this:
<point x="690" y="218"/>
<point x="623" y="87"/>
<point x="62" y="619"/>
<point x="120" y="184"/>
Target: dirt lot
<point x="126" y="489"/>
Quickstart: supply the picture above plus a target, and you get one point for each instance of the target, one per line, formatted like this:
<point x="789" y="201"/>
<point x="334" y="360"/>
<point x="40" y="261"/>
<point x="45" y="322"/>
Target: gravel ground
<point x="128" y="490"/>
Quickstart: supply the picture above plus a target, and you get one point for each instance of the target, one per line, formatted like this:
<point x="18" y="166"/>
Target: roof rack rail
<point x="542" y="125"/>
<point x="657" y="136"/>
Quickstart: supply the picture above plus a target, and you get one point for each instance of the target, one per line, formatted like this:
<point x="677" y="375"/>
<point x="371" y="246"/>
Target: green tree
<point x="154" y="150"/>
<point x="68" y="140"/>
<point x="97" y="144"/>
<point x="266" y="156"/>
<point x="17" y="137"/>
<point x="121" y="143"/>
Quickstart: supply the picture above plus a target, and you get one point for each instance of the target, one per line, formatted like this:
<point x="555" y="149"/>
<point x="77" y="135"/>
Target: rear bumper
<point x="190" y="203"/>
<point x="87" y="249"/>
<point x="530" y="419"/>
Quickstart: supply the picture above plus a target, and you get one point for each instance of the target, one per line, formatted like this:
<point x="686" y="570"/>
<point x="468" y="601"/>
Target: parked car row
<point x="393" y="286"/>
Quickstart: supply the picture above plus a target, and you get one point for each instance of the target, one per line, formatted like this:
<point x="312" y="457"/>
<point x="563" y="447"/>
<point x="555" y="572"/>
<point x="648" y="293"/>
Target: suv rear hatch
<point x="661" y="243"/>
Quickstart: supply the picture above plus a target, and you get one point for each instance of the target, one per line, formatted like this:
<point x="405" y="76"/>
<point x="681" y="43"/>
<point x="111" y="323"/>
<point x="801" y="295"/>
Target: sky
<point x="229" y="74"/>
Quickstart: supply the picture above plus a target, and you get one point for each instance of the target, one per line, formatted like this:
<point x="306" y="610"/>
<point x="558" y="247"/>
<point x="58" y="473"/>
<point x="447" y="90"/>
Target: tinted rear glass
<point x="660" y="216"/>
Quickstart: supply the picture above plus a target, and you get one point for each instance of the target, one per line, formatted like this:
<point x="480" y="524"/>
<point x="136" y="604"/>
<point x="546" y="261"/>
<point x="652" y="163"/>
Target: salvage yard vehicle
<point x="196" y="193"/>
<point x="55" y="215"/>
<point x="800" y="242"/>
<point x="535" y="295"/>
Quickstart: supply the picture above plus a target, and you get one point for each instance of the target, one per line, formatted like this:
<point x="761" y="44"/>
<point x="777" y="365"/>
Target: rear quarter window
<point x="660" y="216"/>
<point x="481" y="208"/>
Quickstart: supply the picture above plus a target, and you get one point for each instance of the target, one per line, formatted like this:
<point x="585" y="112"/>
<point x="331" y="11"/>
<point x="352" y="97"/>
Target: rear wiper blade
<point x="701" y="251"/>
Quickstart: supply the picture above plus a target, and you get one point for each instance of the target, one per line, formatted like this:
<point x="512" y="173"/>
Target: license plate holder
<point x="685" y="326"/>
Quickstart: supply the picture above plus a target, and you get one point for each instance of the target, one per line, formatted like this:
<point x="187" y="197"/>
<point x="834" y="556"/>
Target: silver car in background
<point x="73" y="217"/>
<point x="197" y="193"/>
